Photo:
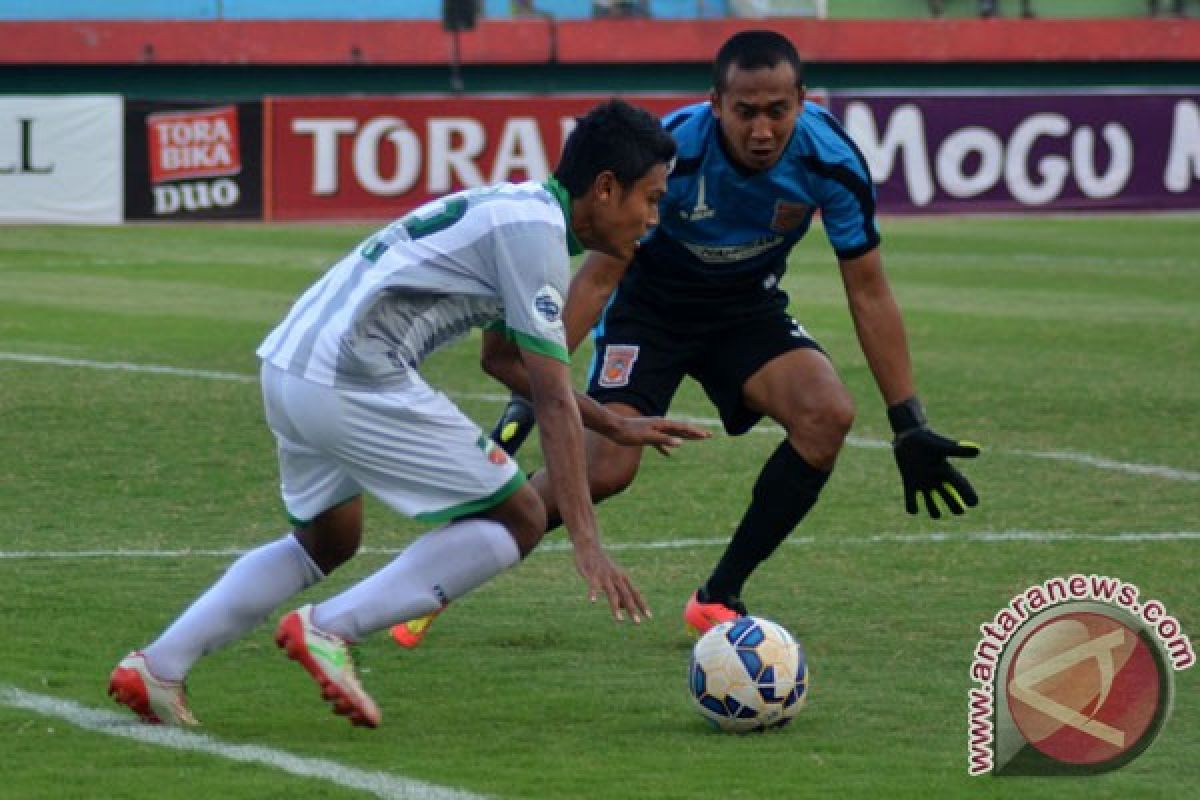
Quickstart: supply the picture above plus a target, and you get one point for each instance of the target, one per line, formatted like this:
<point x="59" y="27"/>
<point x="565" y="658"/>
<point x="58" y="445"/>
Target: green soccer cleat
<point x="327" y="659"/>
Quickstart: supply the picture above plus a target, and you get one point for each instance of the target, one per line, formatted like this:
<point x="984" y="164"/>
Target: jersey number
<point x="417" y="227"/>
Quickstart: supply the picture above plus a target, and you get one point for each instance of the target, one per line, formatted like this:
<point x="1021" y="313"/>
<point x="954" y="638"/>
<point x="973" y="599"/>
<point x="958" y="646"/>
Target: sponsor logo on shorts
<point x="494" y="453"/>
<point x="618" y="364"/>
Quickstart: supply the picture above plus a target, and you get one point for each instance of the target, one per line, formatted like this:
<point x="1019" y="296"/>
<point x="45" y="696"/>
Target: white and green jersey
<point x="495" y="256"/>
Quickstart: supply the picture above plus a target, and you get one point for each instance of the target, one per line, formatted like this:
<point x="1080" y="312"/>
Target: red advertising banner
<point x="193" y="144"/>
<point x="378" y="157"/>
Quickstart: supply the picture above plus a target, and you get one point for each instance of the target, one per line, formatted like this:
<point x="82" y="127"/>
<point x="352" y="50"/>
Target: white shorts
<point x="411" y="448"/>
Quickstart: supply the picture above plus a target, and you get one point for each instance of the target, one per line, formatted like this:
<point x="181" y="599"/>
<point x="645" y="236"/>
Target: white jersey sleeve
<point x="532" y="273"/>
<point x="478" y="257"/>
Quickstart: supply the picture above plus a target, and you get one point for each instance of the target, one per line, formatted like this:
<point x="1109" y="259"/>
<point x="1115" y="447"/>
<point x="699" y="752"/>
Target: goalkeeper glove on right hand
<point x="921" y="456"/>
<point x="514" y="424"/>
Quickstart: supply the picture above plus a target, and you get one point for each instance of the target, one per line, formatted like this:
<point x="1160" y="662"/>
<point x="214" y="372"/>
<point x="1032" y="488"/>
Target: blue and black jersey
<point x="724" y="235"/>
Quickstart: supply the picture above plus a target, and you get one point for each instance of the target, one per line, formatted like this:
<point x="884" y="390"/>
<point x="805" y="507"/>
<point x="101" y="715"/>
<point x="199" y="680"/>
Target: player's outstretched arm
<point x="661" y="433"/>
<point x="921" y="454"/>
<point x="562" y="446"/>
<point x="502" y="360"/>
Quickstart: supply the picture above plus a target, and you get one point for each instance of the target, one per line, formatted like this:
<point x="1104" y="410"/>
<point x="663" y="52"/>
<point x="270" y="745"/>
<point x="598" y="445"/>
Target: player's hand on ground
<point x="602" y="574"/>
<point x="922" y="457"/>
<point x="661" y="433"/>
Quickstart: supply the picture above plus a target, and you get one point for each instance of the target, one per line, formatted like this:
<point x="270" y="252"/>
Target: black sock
<point x="786" y="489"/>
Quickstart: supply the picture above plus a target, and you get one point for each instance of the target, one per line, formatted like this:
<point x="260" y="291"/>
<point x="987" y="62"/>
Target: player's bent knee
<point x="841" y="418"/>
<point x="834" y="423"/>
<point x="611" y="476"/>
<point x="820" y="432"/>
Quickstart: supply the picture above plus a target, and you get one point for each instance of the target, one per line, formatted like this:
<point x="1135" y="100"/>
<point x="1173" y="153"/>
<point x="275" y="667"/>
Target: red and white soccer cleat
<point x="327" y="659"/>
<point x="156" y="701"/>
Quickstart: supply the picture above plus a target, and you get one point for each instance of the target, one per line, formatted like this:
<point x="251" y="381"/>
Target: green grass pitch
<point x="1068" y="347"/>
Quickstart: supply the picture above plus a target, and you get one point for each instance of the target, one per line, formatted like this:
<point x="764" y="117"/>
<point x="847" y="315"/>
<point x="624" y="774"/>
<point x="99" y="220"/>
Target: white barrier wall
<point x="62" y="159"/>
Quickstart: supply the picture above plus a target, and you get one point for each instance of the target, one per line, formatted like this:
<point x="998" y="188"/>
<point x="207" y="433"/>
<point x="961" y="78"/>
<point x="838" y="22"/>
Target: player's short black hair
<point x="614" y="136"/>
<point x="755" y="50"/>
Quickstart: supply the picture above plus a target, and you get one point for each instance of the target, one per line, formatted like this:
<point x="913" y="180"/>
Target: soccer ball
<point x="748" y="674"/>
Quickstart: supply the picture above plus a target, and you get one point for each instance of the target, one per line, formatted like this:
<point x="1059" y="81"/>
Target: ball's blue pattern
<point x="698" y="679"/>
<point x="714" y="705"/>
<point x="746" y="635"/>
<point x="751" y="636"/>
<point x="751" y="661"/>
<point x="766" y="686"/>
<point x="739" y="629"/>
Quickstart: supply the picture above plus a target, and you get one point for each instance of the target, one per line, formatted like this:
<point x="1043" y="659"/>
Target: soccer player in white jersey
<point x="351" y="413"/>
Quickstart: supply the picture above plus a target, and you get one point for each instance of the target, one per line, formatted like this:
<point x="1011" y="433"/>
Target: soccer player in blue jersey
<point x="701" y="298"/>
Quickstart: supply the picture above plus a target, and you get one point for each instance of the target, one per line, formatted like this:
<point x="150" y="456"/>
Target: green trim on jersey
<point x="543" y="347"/>
<point x="475" y="506"/>
<point x="574" y="246"/>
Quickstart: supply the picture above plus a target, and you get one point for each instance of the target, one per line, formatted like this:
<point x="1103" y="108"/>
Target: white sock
<point x="442" y="565"/>
<point x="250" y="589"/>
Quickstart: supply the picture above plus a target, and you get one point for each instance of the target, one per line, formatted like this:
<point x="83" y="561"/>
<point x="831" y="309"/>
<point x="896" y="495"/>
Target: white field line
<point x="559" y="546"/>
<point x="122" y="366"/>
<point x="379" y="784"/>
<point x="1084" y="459"/>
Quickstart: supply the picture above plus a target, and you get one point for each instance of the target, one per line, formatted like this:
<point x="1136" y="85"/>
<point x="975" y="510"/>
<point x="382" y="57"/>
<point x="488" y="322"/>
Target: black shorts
<point x="641" y="358"/>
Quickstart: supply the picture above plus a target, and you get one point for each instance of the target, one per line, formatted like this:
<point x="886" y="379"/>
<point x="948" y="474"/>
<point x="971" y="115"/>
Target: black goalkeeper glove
<point x="921" y="456"/>
<point x="514" y="424"/>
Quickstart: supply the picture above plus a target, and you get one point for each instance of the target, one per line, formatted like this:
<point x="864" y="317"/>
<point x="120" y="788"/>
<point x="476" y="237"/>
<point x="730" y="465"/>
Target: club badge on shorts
<point x="618" y="364"/>
<point x="495" y="454"/>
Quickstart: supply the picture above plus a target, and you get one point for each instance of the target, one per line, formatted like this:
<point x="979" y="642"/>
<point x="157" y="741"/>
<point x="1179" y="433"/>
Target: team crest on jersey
<point x="548" y="305"/>
<point x="789" y="215"/>
<point x="618" y="364"/>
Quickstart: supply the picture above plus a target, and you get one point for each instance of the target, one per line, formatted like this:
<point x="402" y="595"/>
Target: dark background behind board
<point x="139" y="197"/>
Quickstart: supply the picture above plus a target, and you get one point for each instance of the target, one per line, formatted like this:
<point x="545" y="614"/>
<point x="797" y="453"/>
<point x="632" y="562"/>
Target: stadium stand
<point x="576" y="9"/>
